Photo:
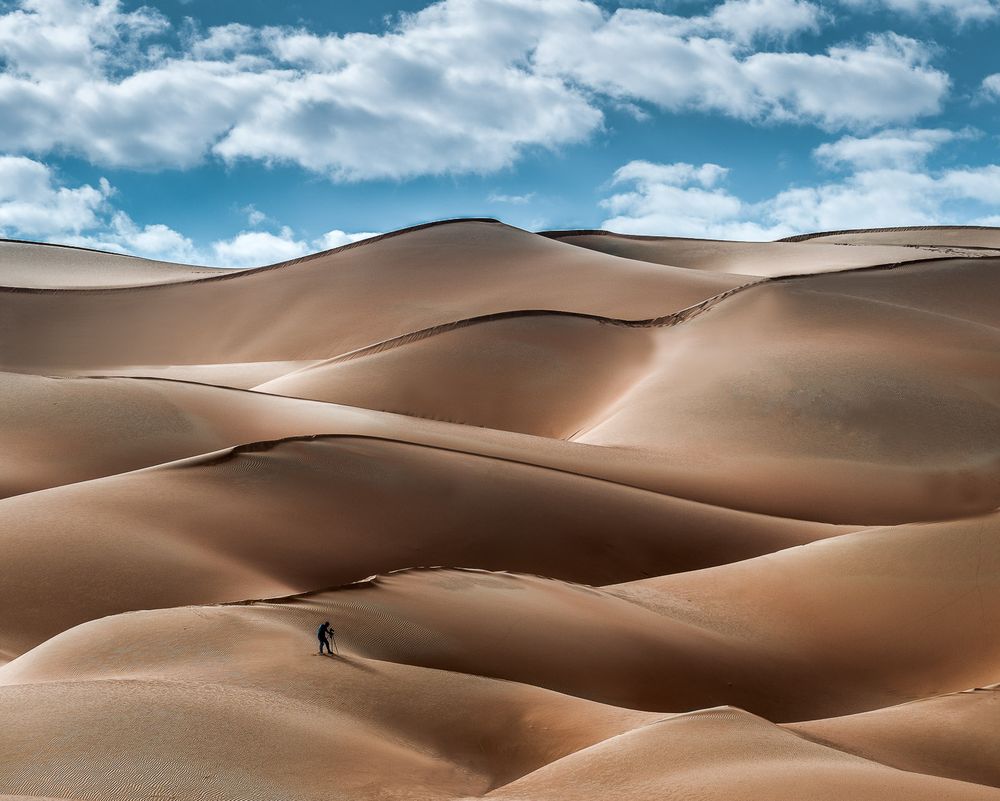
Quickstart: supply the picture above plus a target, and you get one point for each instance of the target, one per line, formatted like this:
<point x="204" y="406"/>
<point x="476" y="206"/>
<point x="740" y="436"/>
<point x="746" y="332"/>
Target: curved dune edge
<point x="763" y="259"/>
<point x="231" y="273"/>
<point x="952" y="736"/>
<point x="897" y="229"/>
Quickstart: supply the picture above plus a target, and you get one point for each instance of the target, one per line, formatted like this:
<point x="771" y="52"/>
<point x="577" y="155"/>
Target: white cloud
<point x="254" y="215"/>
<point x="256" y="248"/>
<point x="337" y="238"/>
<point x="679" y="200"/>
<point x="465" y="85"/>
<point x="991" y="86"/>
<point x="886" y="81"/>
<point x="33" y="203"/>
<point x="746" y="19"/>
<point x="962" y="10"/>
<point x="63" y="40"/>
<point x="891" y="148"/>
<point x="670" y="200"/>
<point x="643" y="55"/>
<point x="224" y="40"/>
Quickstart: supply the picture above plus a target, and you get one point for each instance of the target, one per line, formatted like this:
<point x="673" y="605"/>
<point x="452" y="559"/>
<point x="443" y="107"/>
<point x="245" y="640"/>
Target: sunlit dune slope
<point x="857" y="622"/>
<point x="229" y="692"/>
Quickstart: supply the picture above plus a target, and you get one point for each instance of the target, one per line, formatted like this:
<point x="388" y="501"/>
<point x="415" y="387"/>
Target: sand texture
<point x="593" y="517"/>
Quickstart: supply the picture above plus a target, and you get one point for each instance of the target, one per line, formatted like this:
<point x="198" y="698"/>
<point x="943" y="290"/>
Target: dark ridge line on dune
<point x="559" y="234"/>
<point x="374" y="579"/>
<point x="108" y="253"/>
<point x="664" y="321"/>
<point x="229" y="273"/>
<point x="900" y="229"/>
<point x="224" y="455"/>
<point x="893" y="265"/>
<point x="305" y="437"/>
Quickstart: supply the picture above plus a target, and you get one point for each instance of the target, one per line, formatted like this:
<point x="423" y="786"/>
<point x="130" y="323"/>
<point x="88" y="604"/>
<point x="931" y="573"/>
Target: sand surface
<point x="593" y="516"/>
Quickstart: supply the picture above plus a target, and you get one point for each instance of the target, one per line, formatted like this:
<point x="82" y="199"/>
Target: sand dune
<point x="383" y="723"/>
<point x="99" y="547"/>
<point x="321" y="307"/>
<point x="955" y="736"/>
<point x="765" y="259"/>
<point x="594" y="517"/>
<point x="860" y="621"/>
<point x="941" y="237"/>
<point x="31" y="265"/>
<point x="724" y="753"/>
<point x="790" y="396"/>
<point x="550" y="375"/>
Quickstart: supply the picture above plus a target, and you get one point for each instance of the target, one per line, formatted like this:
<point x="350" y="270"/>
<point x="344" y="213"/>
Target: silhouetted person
<point x="324" y="633"/>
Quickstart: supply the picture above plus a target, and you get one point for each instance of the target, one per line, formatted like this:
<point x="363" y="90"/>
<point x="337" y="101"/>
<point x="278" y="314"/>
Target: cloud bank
<point x="468" y="85"/>
<point x="885" y="183"/>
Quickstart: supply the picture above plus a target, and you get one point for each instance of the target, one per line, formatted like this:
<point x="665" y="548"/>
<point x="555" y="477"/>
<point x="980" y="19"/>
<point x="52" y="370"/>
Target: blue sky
<point x="246" y="132"/>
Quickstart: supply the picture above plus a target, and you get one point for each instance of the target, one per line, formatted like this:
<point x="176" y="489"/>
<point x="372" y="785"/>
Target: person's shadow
<point x="349" y="661"/>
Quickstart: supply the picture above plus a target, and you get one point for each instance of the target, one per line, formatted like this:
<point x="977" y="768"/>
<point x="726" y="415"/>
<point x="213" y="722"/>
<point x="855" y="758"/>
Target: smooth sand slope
<point x="764" y="259"/>
<point x="546" y="374"/>
<point x="37" y="266"/>
<point x="956" y="736"/>
<point x="593" y="516"/>
<point x="801" y="393"/>
<point x="940" y="237"/>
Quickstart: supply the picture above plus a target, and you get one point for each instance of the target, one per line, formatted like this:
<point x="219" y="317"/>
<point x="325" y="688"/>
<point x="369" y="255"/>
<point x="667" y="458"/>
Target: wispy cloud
<point x="514" y="200"/>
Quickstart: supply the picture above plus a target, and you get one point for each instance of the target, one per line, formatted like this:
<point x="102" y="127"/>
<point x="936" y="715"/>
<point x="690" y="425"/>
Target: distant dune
<point x="593" y="516"/>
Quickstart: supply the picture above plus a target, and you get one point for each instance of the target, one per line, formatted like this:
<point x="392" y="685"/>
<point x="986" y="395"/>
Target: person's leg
<point x="321" y="644"/>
